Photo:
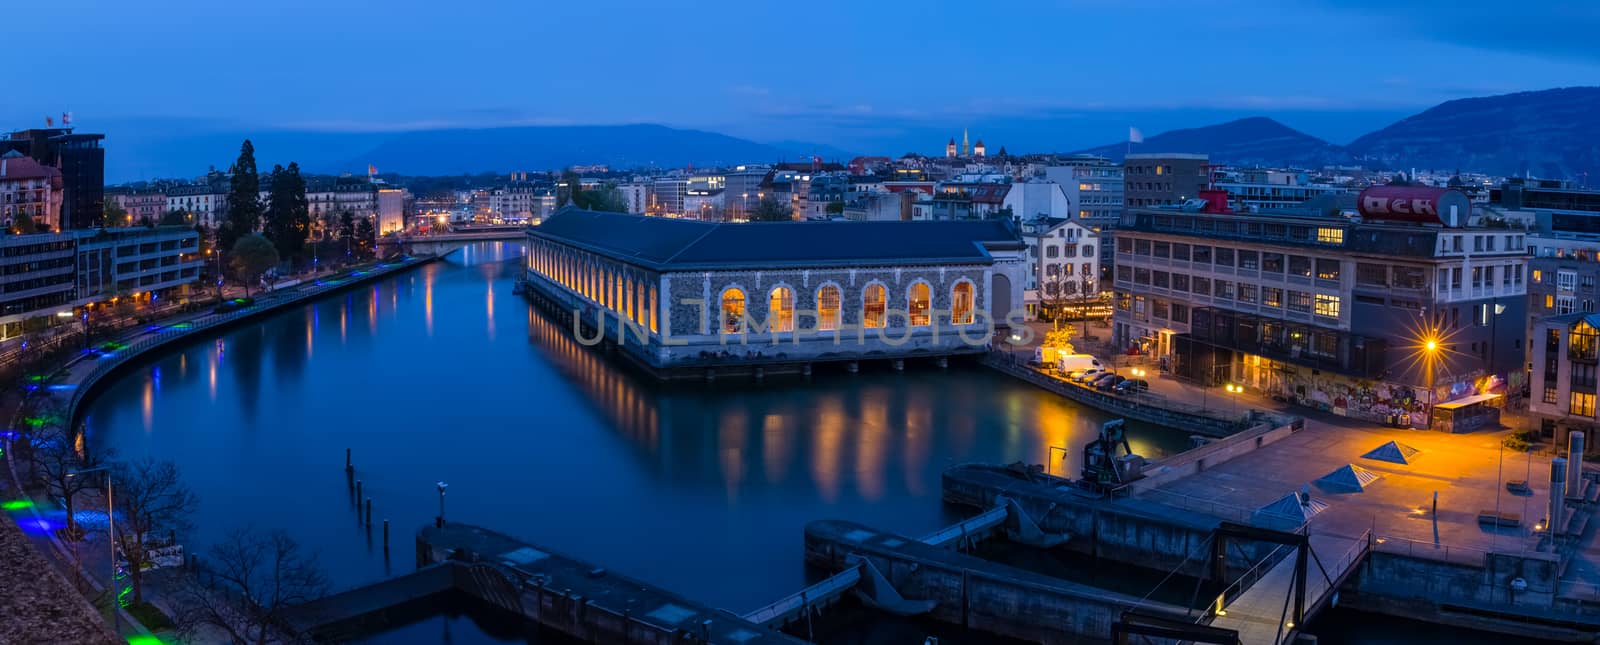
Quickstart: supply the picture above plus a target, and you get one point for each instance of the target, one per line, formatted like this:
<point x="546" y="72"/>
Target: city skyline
<point x="757" y="72"/>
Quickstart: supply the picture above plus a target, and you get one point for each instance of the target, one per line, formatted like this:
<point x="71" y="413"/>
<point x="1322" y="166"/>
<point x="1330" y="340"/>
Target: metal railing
<point x="1229" y="512"/>
<point x="805" y="598"/>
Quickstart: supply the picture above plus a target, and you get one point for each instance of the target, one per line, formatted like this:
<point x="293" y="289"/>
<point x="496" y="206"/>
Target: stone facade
<point x="679" y="312"/>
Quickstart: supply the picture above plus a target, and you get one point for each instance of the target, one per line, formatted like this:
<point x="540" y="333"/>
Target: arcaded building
<point x="684" y="296"/>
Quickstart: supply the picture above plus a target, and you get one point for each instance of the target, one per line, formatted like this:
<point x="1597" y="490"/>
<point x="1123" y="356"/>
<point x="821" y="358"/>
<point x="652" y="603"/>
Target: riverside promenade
<point x="38" y="617"/>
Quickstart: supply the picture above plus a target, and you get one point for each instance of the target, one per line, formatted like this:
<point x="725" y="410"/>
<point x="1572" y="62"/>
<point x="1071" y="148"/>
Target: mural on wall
<point x="1379" y="401"/>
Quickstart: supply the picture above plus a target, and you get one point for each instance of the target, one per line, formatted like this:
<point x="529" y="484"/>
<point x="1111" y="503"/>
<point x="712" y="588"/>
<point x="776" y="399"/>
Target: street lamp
<point x="1233" y="401"/>
<point x="111" y="539"/>
<point x="441" y="486"/>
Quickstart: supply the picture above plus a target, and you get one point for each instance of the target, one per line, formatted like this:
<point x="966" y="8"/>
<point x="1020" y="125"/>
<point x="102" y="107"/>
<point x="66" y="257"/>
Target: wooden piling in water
<point x="369" y="512"/>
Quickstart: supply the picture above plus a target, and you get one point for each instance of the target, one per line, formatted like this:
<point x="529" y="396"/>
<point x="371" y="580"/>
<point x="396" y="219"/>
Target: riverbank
<point x="89" y="367"/>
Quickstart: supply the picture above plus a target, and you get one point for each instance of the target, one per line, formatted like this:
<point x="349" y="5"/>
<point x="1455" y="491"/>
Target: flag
<point x="371" y="169"/>
<point x="66" y="119"/>
<point x="1134" y="135"/>
<point x="49" y="122"/>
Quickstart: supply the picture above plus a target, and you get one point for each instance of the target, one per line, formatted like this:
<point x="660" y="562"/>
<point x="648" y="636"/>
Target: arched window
<point x="873" y="302"/>
<point x="828" y="308"/>
<point x="917" y="304"/>
<point x="961" y="303"/>
<point x="732" y="311"/>
<point x="780" y="309"/>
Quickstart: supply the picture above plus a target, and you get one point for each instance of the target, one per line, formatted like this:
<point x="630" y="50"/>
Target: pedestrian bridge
<point x="445" y="243"/>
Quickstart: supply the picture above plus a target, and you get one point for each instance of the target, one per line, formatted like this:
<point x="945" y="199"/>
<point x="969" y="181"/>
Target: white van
<point x="1068" y="363"/>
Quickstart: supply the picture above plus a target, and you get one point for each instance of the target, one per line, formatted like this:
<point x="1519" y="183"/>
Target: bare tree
<point x="248" y="582"/>
<point x="149" y="496"/>
<point x="58" y="454"/>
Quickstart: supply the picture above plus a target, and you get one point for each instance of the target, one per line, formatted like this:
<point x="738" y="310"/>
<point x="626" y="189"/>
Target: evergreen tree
<point x="244" y="199"/>
<point x="288" y="216"/>
<point x="366" y="237"/>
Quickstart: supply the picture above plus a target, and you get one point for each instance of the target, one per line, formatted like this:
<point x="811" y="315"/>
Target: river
<point x="440" y="374"/>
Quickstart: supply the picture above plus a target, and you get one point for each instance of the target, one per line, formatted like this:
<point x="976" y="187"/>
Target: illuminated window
<point x="780" y="309"/>
<point x="873" y="302"/>
<point x="917" y="304"/>
<point x="828" y="308"/>
<point x="1160" y="170"/>
<point x="961" y="303"/>
<point x="1582" y="404"/>
<point x="1330" y="235"/>
<point x="1549" y="301"/>
<point x="732" y="311"/>
<point x="653" y="308"/>
<point x="1327" y="305"/>
<point x="1538" y="276"/>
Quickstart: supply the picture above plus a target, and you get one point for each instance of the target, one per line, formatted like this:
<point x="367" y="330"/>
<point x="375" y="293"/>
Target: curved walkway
<point x="48" y="609"/>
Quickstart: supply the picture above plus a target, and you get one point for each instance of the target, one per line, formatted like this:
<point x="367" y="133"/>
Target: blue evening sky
<point x="837" y="72"/>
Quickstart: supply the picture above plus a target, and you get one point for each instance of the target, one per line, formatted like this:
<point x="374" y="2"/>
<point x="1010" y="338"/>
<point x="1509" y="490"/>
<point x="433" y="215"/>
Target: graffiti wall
<point x="1380" y="401"/>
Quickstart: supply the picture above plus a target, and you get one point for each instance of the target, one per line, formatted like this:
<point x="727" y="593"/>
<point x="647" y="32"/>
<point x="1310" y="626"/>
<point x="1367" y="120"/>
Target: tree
<point x="836" y="207"/>
<point x="366" y="237"/>
<point x="23" y="224"/>
<point x="175" y="217"/>
<point x="56" y="458"/>
<point x="250" y="579"/>
<point x="252" y="256"/>
<point x="244" y="199"/>
<point x="149" y="497"/>
<point x="606" y="198"/>
<point x="114" y="214"/>
<point x="769" y="209"/>
<point x="288" y="214"/>
<point x="347" y="232"/>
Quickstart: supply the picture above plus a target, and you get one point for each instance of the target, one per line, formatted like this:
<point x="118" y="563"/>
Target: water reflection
<point x="702" y="488"/>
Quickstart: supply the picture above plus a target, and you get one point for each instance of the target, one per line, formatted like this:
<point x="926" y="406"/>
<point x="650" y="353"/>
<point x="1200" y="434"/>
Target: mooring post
<point x="386" y="536"/>
<point x="347" y="465"/>
<point x="369" y="512"/>
<point x="358" y="492"/>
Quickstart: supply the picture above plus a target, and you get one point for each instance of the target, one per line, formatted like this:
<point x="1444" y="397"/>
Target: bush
<point x="1520" y="441"/>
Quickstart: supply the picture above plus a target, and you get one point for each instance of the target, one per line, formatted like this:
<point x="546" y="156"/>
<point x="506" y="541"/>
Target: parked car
<point x="1088" y="375"/>
<point x="1105" y="383"/>
<point x="1133" y="386"/>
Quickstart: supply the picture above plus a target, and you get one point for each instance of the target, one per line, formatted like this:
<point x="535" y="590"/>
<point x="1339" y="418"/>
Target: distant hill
<point x="1250" y="141"/>
<point x="444" y="152"/>
<point x="1550" y="133"/>
<point x="152" y="149"/>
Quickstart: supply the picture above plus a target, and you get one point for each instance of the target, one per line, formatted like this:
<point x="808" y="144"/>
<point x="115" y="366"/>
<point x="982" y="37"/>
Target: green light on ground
<point x="16" y="504"/>
<point x="113" y="346"/>
<point x="145" y="639"/>
<point x="36" y="378"/>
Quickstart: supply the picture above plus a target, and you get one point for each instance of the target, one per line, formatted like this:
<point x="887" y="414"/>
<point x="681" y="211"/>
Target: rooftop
<point x="677" y="244"/>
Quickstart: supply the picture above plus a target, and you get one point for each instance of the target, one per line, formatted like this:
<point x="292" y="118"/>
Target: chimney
<point x="1575" y="463"/>
<point x="1558" y="495"/>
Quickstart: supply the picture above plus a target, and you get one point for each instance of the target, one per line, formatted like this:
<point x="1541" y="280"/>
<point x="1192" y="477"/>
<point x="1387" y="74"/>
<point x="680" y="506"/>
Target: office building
<point x="1163" y="179"/>
<point x="1324" y="310"/>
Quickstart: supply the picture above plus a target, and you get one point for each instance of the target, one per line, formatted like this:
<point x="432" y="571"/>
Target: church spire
<point x="965" y="149"/>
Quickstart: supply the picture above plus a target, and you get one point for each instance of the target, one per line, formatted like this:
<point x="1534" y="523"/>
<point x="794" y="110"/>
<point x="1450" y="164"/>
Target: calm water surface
<point x="442" y="374"/>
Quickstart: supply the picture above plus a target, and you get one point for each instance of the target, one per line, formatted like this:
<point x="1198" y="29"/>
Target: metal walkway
<point x="976" y="527"/>
<point x="1263" y="614"/>
<point x="796" y="605"/>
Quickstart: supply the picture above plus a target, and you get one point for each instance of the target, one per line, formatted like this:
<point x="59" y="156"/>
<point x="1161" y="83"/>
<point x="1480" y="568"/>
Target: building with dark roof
<point x="683" y="294"/>
<point x="1327" y="310"/>
<point x="82" y="163"/>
